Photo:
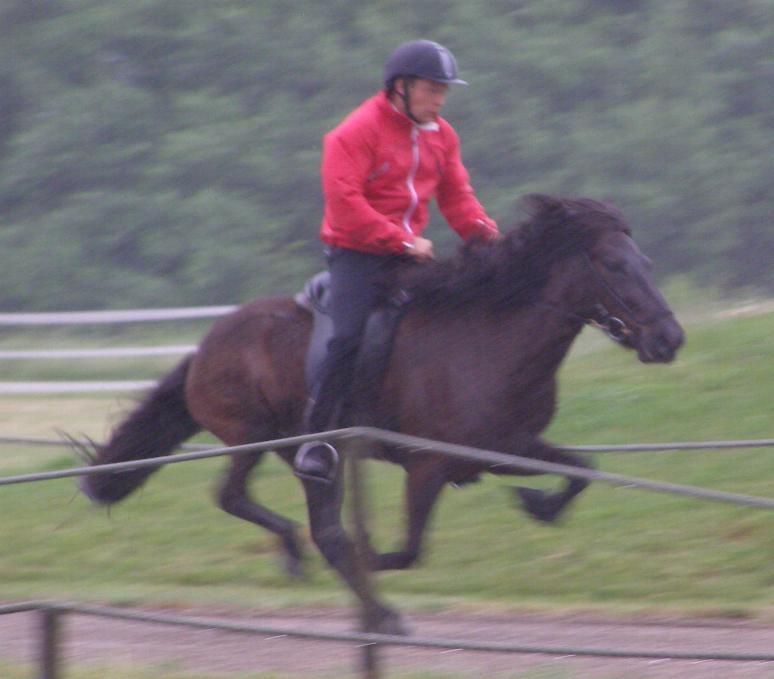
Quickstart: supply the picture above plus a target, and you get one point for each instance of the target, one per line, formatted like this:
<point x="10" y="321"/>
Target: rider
<point x="381" y="166"/>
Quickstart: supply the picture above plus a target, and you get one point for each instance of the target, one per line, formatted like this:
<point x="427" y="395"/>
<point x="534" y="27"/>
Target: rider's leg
<point x="357" y="283"/>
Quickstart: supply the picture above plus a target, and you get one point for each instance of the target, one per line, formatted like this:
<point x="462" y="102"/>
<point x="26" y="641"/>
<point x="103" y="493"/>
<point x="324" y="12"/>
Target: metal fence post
<point x="360" y="519"/>
<point x="48" y="653"/>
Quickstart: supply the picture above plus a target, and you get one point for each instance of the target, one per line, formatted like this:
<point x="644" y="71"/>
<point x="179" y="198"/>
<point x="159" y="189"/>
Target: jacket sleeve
<point x="346" y="164"/>
<point x="456" y="199"/>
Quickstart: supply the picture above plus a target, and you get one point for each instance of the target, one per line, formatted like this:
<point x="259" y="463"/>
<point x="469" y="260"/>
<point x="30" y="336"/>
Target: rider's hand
<point x="490" y="226"/>
<point x="421" y="248"/>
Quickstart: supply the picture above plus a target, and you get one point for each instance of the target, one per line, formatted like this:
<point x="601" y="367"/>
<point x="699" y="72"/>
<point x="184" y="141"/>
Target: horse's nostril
<point x="666" y="350"/>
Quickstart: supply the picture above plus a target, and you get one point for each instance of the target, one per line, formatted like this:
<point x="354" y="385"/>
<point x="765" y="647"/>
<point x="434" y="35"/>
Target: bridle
<point x="613" y="326"/>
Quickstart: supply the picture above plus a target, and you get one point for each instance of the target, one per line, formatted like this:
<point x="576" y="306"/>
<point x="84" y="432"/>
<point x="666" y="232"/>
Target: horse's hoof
<point x="293" y="556"/>
<point x="294" y="569"/>
<point x="538" y="504"/>
<point x="391" y="623"/>
<point x="391" y="561"/>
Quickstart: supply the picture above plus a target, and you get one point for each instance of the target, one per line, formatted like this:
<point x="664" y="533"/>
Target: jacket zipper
<point x="409" y="213"/>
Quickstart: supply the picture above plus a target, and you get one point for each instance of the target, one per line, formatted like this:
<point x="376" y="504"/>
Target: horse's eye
<point x="614" y="266"/>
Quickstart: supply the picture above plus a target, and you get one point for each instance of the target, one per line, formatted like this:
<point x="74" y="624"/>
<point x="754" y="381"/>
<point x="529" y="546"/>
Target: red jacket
<point x="379" y="172"/>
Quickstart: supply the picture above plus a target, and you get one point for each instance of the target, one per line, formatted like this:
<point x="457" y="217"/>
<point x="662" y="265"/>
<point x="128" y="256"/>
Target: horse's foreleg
<point x="540" y="504"/>
<point x="234" y="499"/>
<point x="423" y="486"/>
<point x="338" y="549"/>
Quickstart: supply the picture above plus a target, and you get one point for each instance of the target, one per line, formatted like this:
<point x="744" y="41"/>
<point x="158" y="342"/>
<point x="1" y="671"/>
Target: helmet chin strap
<point x="406" y="101"/>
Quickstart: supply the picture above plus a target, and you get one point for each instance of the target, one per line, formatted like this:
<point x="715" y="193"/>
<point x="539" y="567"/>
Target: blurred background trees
<point x="166" y="152"/>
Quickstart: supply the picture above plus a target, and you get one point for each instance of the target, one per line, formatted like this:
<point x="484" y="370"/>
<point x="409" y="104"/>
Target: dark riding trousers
<point x="359" y="282"/>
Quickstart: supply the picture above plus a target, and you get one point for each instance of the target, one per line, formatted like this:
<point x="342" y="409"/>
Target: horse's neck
<point x="531" y="340"/>
<point x="556" y="314"/>
<point x="549" y="333"/>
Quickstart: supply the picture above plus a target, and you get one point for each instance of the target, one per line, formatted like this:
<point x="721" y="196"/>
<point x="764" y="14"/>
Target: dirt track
<point x="163" y="649"/>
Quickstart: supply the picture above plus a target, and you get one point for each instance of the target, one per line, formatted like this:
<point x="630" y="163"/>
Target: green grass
<point x="621" y="551"/>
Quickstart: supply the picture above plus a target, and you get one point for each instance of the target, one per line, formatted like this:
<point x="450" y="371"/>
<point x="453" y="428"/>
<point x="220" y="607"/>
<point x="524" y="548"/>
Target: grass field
<point x="620" y="550"/>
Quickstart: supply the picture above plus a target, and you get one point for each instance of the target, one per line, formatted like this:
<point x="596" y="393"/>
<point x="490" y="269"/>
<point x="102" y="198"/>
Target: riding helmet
<point x="423" y="59"/>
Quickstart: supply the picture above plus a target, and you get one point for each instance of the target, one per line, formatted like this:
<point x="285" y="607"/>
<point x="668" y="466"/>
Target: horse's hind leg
<point x="423" y="486"/>
<point x="338" y="549"/>
<point x="234" y="498"/>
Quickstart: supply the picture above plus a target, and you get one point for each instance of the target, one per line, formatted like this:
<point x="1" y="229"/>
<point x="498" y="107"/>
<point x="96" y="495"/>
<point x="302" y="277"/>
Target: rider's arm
<point x="347" y="161"/>
<point x="456" y="198"/>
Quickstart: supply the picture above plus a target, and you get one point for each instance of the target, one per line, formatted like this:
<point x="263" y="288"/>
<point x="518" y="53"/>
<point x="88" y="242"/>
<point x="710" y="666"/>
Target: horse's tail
<point x="155" y="427"/>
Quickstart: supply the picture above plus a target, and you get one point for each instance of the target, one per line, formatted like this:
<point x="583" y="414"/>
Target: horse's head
<point x="628" y="306"/>
<point x="612" y="287"/>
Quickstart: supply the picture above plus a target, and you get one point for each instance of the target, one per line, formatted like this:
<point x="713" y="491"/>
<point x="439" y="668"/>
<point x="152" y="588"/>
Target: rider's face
<point x="426" y="98"/>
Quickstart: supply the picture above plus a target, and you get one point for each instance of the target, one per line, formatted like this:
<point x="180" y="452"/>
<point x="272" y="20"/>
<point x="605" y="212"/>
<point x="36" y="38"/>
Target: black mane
<point x="511" y="272"/>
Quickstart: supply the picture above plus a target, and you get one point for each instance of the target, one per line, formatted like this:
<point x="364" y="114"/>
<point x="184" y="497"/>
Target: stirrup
<point x="316" y="461"/>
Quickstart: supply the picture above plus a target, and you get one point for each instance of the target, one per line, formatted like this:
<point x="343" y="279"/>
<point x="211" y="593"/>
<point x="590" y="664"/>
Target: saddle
<point x="375" y="347"/>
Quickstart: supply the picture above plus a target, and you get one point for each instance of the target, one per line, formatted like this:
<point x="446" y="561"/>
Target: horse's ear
<point x="541" y="204"/>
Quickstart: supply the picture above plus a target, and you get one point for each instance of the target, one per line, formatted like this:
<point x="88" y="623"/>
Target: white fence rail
<point x="92" y="318"/>
<point x="117" y="352"/>
<point x="43" y="388"/>
<point x="126" y="316"/>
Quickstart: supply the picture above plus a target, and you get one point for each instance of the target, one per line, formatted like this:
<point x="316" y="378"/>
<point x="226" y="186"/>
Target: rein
<point x="614" y="294"/>
<point x="615" y="328"/>
<point x="602" y="320"/>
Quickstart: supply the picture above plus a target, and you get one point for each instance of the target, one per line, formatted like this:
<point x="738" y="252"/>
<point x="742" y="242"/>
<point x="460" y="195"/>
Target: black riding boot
<point x="319" y="460"/>
<point x="357" y="285"/>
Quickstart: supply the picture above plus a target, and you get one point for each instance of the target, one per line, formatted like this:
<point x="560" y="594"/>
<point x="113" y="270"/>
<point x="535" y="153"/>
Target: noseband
<point x="613" y="326"/>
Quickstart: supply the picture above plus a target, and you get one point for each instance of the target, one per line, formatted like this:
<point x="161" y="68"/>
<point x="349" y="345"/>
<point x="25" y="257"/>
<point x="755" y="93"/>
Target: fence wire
<point x="50" y="612"/>
<point x="488" y="458"/>
<point x="362" y="639"/>
<point x="414" y="444"/>
<point x="675" y="446"/>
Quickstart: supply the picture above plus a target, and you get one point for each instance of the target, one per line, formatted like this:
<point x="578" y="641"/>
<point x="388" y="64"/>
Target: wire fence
<point x="49" y="660"/>
<point x="692" y="446"/>
<point x="415" y="444"/>
<point x="49" y="636"/>
<point x="51" y="612"/>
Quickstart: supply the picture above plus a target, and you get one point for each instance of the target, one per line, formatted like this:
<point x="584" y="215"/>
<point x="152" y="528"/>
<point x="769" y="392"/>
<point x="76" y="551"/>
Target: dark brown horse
<point x="474" y="362"/>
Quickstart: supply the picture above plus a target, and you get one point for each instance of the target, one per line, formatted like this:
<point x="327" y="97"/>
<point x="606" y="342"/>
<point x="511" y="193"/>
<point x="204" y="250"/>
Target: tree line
<point x="166" y="152"/>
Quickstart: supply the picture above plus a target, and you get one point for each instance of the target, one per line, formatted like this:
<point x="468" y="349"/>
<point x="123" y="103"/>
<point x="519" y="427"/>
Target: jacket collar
<point x="389" y="109"/>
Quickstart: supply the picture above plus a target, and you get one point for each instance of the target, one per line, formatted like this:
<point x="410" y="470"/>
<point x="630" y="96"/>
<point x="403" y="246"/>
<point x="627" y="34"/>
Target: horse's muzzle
<point x="659" y="342"/>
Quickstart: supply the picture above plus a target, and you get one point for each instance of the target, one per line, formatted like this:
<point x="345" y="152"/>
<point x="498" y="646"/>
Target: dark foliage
<point x="167" y="153"/>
